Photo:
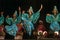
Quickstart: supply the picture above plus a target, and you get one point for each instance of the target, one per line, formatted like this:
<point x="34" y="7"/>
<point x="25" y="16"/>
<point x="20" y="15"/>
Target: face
<point x="30" y="11"/>
<point x="55" y="11"/>
<point x="14" y="15"/>
<point x="7" y="16"/>
<point x="19" y="8"/>
<point x="2" y="13"/>
<point x="40" y="22"/>
<point x="23" y="11"/>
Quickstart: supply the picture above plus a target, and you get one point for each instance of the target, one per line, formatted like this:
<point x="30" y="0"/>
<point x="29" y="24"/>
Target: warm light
<point x="56" y="32"/>
<point x="40" y="32"/>
<point x="45" y="32"/>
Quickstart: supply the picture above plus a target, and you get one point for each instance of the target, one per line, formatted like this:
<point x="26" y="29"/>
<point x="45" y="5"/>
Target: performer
<point x="29" y="19"/>
<point x="14" y="18"/>
<point x="41" y="29"/>
<point x="2" y="24"/>
<point x="11" y="32"/>
<point x="11" y="29"/>
<point x="19" y="25"/>
<point x="1" y="18"/>
<point x="53" y="19"/>
<point x="19" y="15"/>
<point x="24" y="17"/>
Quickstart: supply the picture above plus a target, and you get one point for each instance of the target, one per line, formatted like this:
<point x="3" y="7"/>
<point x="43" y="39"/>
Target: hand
<point x="41" y="7"/>
<point x="19" y="8"/>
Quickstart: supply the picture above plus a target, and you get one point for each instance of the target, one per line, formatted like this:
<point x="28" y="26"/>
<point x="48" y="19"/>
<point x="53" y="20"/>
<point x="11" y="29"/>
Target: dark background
<point x="8" y="6"/>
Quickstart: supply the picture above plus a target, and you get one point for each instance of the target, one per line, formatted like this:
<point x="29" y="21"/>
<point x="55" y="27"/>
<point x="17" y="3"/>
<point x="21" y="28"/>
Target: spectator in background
<point x="41" y="29"/>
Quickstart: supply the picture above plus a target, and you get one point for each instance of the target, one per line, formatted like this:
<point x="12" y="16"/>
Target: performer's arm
<point x="48" y="20"/>
<point x="41" y="8"/>
<point x="58" y="17"/>
<point x="37" y="14"/>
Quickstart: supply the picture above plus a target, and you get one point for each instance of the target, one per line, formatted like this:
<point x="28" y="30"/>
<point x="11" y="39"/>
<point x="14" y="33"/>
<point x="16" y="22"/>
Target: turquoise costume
<point x="36" y="16"/>
<point x="1" y="19"/>
<point x="54" y="19"/>
<point x="12" y="30"/>
<point x="19" y="18"/>
<point x="9" y="21"/>
<point x="14" y="21"/>
<point x="12" y="27"/>
<point x="54" y="22"/>
<point x="28" y="21"/>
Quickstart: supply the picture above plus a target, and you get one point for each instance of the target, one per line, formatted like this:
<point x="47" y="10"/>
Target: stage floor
<point x="16" y="38"/>
<point x="20" y="38"/>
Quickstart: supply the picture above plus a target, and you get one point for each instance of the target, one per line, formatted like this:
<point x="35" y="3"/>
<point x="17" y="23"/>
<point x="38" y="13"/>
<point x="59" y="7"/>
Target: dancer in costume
<point x="19" y="25"/>
<point x="24" y="17"/>
<point x="53" y="19"/>
<point x="14" y="18"/>
<point x="1" y="18"/>
<point x="1" y="23"/>
<point x="19" y="15"/>
<point x="29" y="19"/>
<point x="8" y="22"/>
<point x="11" y="29"/>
